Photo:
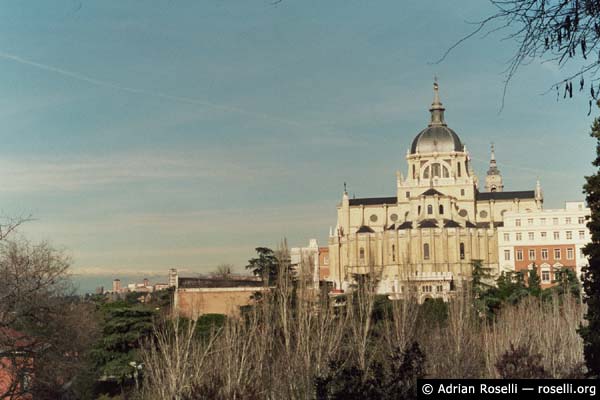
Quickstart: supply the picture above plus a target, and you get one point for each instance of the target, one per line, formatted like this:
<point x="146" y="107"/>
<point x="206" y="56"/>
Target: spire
<point x="539" y="195"/>
<point x="493" y="170"/>
<point x="437" y="109"/>
<point x="493" y="179"/>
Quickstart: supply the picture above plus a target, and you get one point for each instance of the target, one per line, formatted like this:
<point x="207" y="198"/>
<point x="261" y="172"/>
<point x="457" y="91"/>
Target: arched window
<point x="414" y="172"/>
<point x="429" y="209"/>
<point x="426" y="251"/>
<point x="441" y="209"/>
<point x="394" y="253"/>
<point x="462" y="251"/>
<point x="435" y="170"/>
<point x="446" y="172"/>
<point x="459" y="173"/>
<point x="419" y="210"/>
<point x="426" y="172"/>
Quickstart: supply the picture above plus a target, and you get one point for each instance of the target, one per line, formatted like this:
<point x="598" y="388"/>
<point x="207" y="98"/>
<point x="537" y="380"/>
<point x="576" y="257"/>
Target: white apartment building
<point x="549" y="239"/>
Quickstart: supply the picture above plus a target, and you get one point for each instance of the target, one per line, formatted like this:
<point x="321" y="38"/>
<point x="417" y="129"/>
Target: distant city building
<point x="99" y="290"/>
<point x="161" y="286"/>
<point x="173" y="277"/>
<point x="548" y="239"/>
<point x="311" y="262"/>
<point x="116" y="286"/>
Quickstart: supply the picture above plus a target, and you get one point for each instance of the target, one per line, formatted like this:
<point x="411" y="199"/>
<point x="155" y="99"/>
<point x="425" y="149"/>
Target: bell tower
<point x="493" y="179"/>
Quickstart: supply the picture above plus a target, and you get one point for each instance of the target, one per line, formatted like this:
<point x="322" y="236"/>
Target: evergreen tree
<point x="124" y="328"/>
<point x="265" y="265"/>
<point x="591" y="274"/>
<point x="534" y="282"/>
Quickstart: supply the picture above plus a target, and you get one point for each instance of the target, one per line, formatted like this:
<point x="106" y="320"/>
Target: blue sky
<point x="148" y="135"/>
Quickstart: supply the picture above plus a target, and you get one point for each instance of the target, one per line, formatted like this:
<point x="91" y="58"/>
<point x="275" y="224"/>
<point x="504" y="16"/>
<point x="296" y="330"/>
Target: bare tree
<point x="559" y="31"/>
<point x="223" y="271"/>
<point x="46" y="331"/>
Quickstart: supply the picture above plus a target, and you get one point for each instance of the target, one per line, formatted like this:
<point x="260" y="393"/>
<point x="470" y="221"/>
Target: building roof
<point x="428" y="223"/>
<point x="431" y="192"/>
<point x="204" y="282"/>
<point x="365" y="229"/>
<point x="469" y="224"/>
<point x="405" y="225"/>
<point x="436" y="138"/>
<point x="391" y="227"/>
<point x="372" y="201"/>
<point x="448" y="223"/>
<point x="522" y="194"/>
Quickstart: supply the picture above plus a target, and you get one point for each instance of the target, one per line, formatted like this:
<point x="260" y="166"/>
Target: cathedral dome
<point x="437" y="137"/>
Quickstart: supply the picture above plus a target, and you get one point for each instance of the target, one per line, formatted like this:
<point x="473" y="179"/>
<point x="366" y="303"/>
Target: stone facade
<point x="428" y="234"/>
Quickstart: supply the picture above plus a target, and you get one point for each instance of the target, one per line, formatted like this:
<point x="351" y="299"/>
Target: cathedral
<point x="426" y="236"/>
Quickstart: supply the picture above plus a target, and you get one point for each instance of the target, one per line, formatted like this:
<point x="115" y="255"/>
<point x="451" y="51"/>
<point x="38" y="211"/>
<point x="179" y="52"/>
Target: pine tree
<point x="533" y="282"/>
<point x="591" y="276"/>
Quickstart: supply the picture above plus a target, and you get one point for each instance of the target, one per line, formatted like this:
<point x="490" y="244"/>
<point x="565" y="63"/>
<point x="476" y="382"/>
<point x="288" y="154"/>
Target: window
<point x="435" y="170"/>
<point x="570" y="254"/>
<point x="545" y="276"/>
<point x="544" y="254"/>
<point x="543" y="221"/>
<point x="530" y="235"/>
<point x="530" y="221"/>
<point x="426" y="251"/>
<point x="507" y="255"/>
<point x="439" y="288"/>
<point x="555" y="221"/>
<point x="519" y="236"/>
<point x="414" y="172"/>
<point x="441" y="207"/>
<point x="568" y="220"/>
<point x="419" y="210"/>
<point x="462" y="191"/>
<point x="519" y="255"/>
<point x="581" y="234"/>
<point x="581" y="220"/>
<point x="426" y="288"/>
<point x="462" y="251"/>
<point x="543" y="235"/>
<point x="556" y="235"/>
<point x="394" y="217"/>
<point x="557" y="254"/>
<point x="531" y="254"/>
<point x="429" y="209"/>
<point x="407" y="195"/>
<point x="373" y="218"/>
<point x="361" y="254"/>
<point x="326" y="260"/>
<point x="483" y="214"/>
<point x="517" y="222"/>
<point x="506" y="237"/>
<point x="569" y="235"/>
<point x="393" y="252"/>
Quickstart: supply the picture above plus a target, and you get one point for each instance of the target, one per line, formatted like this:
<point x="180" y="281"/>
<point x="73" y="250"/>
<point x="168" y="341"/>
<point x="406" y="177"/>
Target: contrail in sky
<point x="112" y="85"/>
